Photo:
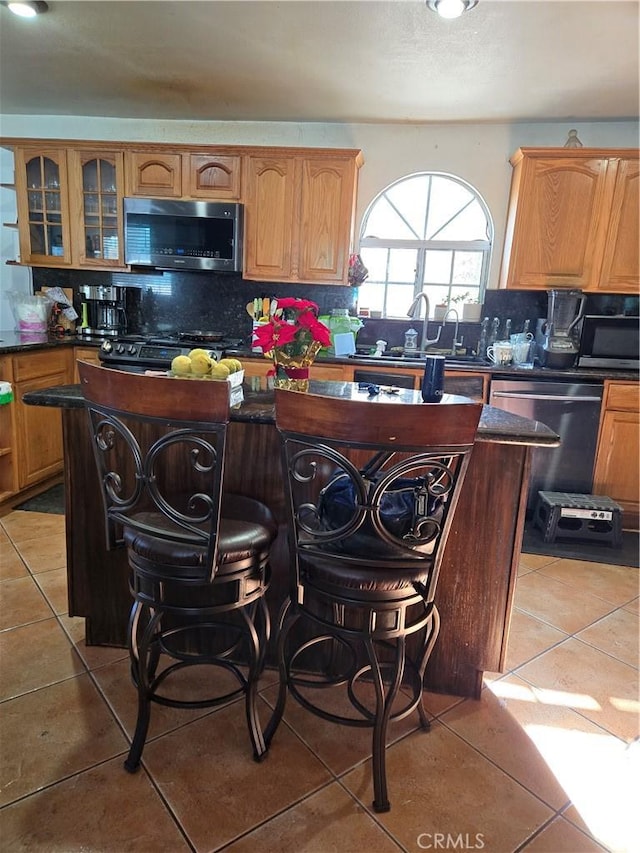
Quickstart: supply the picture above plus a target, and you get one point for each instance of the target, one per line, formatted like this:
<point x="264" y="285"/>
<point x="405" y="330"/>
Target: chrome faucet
<point x="414" y="313"/>
<point x="455" y="343"/>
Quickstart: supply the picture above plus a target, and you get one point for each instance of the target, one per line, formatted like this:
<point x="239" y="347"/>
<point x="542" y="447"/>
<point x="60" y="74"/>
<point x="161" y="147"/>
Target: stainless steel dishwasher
<point x="572" y="409"/>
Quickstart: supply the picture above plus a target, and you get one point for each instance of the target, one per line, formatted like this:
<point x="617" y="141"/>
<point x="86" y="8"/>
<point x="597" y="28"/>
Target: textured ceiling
<point x="506" y="60"/>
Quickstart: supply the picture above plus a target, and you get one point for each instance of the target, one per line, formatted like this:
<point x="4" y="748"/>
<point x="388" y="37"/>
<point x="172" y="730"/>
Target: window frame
<point x="423" y="246"/>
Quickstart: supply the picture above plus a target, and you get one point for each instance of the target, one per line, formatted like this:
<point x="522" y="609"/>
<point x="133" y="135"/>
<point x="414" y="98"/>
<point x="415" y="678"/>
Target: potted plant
<point x="472" y="311"/>
<point x="439" y="311"/>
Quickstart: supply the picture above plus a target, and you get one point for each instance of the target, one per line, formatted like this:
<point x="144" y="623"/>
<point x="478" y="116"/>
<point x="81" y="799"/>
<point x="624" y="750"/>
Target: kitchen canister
<point x="433" y="379"/>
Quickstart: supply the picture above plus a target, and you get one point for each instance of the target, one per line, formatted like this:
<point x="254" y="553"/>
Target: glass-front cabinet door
<point x="43" y="210"/>
<point x="96" y="182"/>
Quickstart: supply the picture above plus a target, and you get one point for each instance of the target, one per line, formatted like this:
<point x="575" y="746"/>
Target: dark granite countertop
<point x="11" y="342"/>
<point x="572" y="374"/>
<point x="257" y="406"/>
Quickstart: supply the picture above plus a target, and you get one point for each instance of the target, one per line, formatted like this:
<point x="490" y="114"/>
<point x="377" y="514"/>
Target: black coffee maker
<point x="103" y="310"/>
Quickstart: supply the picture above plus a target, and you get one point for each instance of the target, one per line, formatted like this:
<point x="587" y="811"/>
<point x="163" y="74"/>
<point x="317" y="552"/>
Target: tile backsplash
<point x="161" y="302"/>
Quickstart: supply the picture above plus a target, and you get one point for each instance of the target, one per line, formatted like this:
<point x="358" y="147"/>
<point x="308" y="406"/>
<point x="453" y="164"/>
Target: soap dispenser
<point x="410" y="342"/>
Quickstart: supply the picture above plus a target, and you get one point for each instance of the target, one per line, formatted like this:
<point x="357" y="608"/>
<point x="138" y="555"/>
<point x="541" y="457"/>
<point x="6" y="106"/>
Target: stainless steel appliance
<point x="610" y="342"/>
<point x="570" y="409"/>
<point x="137" y="353"/>
<point x="103" y="310"/>
<point x="559" y="347"/>
<point x="189" y="235"/>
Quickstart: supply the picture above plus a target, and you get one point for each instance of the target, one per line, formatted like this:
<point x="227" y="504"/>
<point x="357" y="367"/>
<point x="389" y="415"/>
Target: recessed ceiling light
<point x="451" y="8"/>
<point x="28" y="9"/>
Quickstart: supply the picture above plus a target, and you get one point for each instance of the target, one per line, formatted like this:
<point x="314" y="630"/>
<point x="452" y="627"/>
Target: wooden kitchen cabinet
<point x="299" y="203"/>
<point x="269" y="218"/>
<point x="43" y="206"/>
<point x="96" y="189"/>
<point x="621" y="263"/>
<point x="212" y="176"/>
<point x="299" y="215"/>
<point x="617" y="467"/>
<point x="89" y="354"/>
<point x="8" y="451"/>
<point x="37" y="432"/>
<point x="185" y="174"/>
<point x="572" y="220"/>
<point x="260" y="366"/>
<point x="154" y="174"/>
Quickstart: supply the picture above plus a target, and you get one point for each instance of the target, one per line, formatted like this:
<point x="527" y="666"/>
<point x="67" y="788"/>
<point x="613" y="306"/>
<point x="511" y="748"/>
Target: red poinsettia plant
<point x="293" y="326"/>
<point x="292" y="337"/>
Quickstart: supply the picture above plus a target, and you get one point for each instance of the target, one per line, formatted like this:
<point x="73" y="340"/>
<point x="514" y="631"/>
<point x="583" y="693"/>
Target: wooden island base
<point x="476" y="586"/>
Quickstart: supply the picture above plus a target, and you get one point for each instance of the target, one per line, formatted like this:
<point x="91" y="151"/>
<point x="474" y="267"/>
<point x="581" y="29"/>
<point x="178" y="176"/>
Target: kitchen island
<point x="475" y="592"/>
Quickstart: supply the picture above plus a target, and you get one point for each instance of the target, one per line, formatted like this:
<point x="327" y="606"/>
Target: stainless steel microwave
<point x="610" y="342"/>
<point x="183" y="235"/>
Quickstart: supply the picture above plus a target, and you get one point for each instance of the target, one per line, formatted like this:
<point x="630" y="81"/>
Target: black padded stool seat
<point x="240" y="538"/>
<point x="345" y="576"/>
<point x="371" y="492"/>
<point x="198" y="558"/>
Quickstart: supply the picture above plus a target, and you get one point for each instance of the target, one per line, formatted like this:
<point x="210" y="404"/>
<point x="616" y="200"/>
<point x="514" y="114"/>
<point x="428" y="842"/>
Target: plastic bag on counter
<point x="31" y="313"/>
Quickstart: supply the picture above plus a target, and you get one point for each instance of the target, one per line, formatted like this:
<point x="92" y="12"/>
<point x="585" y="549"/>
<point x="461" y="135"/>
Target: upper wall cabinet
<point x="572" y="220"/>
<point x="153" y="174"/>
<point x="299" y="216"/>
<point x="96" y="183"/>
<point x="157" y="174"/>
<point x="620" y="263"/>
<point x="212" y="177"/>
<point x="42" y="205"/>
<point x="299" y="203"/>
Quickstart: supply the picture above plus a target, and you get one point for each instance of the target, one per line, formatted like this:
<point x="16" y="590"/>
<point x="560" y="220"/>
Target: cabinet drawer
<point x="41" y="363"/>
<point x="622" y="396"/>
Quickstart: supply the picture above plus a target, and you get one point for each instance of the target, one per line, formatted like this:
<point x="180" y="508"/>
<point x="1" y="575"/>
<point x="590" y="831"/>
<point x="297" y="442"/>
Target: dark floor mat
<point x="579" y="549"/>
<point x="50" y="501"/>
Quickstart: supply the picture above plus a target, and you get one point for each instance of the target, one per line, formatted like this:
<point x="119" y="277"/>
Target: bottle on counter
<point x="482" y="343"/>
<point x="493" y="334"/>
<point x="342" y="323"/>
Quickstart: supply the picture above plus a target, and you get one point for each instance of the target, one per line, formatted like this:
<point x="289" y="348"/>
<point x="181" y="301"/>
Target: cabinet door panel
<point x="618" y="460"/>
<point x="212" y="177"/>
<point x="269" y="218"/>
<point x="43" y="206"/>
<point x="330" y="372"/>
<point x="560" y="223"/>
<point x="326" y="216"/>
<point x="96" y="184"/>
<point x="621" y="264"/>
<point x="154" y="174"/>
<point x="39" y="432"/>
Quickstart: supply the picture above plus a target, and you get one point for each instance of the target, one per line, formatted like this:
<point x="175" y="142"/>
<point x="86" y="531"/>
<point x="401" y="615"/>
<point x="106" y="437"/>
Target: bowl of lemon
<point x="197" y="364"/>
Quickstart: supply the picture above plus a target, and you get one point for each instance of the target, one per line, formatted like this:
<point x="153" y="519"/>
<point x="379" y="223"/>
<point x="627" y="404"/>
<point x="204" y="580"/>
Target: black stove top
<point x="157" y="351"/>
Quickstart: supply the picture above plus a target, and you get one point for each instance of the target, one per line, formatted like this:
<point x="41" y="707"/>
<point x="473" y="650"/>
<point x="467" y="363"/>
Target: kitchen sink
<point x="452" y="360"/>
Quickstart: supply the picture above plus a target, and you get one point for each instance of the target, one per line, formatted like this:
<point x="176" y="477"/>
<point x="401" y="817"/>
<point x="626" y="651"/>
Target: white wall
<point x="479" y="153"/>
<point x="11" y="277"/>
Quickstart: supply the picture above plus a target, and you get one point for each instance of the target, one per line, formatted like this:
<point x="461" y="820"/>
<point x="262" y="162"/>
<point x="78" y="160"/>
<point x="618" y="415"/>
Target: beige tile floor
<point x="546" y="761"/>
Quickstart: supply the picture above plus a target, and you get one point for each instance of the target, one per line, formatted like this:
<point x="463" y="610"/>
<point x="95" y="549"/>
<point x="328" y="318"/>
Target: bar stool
<point x="371" y="492"/>
<point x="198" y="557"/>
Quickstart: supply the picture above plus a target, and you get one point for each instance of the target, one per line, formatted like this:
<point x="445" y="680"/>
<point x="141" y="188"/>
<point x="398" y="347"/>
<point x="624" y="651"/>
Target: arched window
<point x="429" y="231"/>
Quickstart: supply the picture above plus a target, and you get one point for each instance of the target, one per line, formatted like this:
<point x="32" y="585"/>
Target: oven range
<point x="137" y="353"/>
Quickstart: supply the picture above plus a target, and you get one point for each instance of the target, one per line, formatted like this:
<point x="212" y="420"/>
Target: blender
<point x="559" y="347"/>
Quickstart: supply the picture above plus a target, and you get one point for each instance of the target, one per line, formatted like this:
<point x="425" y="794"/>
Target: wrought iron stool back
<point x="371" y="488"/>
<point x="198" y="557"/>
